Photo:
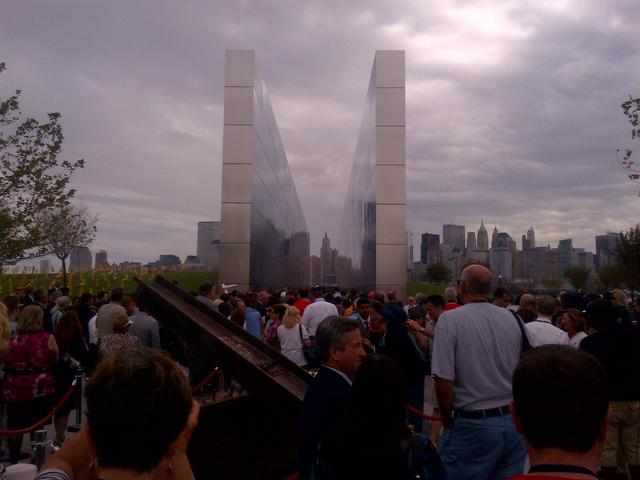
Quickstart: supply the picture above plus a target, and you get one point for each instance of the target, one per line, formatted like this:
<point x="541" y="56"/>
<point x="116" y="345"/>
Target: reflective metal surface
<point x="261" y="213"/>
<point x="373" y="242"/>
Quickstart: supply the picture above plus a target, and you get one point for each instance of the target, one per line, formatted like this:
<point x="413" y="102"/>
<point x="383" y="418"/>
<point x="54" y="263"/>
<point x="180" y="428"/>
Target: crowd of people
<point x="47" y="338"/>
<point x="548" y="381"/>
<point x="453" y="355"/>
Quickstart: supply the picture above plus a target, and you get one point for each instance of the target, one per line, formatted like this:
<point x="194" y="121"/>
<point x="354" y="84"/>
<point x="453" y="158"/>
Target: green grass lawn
<point x="427" y="288"/>
<point x="96" y="281"/>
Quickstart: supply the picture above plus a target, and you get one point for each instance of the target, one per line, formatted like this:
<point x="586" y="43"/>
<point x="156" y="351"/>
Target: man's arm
<point x="74" y="458"/>
<point x="419" y="334"/>
<point x="444" y="392"/>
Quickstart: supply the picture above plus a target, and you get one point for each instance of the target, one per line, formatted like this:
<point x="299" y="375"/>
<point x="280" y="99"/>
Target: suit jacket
<point x="324" y="409"/>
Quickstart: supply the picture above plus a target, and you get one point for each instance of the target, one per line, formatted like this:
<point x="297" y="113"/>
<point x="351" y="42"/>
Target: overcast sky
<point x="513" y="108"/>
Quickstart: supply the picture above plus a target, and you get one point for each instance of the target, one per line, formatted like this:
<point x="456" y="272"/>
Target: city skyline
<point x="511" y="108"/>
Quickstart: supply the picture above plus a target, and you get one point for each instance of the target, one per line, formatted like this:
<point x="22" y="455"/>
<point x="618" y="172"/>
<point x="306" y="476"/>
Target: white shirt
<point x="576" y="339"/>
<point x="93" y="330"/>
<point x="316" y="313"/>
<point x="542" y="332"/>
<point x="290" y="344"/>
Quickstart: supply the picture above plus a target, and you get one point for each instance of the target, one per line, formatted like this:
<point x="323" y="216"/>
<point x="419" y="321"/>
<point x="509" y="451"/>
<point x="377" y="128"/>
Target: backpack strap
<point x="526" y="345"/>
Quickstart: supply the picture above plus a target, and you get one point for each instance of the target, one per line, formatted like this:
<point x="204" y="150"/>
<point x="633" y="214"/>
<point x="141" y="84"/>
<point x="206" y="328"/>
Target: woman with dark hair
<point x="140" y="416"/>
<point x="377" y="442"/>
<point x="275" y="314"/>
<point x="73" y="354"/>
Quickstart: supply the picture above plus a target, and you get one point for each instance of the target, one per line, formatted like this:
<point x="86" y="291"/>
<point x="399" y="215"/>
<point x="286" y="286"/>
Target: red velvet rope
<point x="206" y="380"/>
<point x="46" y="419"/>
<point x="422" y="414"/>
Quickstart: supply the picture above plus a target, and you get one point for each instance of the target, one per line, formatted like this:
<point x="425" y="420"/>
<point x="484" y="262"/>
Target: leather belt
<point x="489" y="412"/>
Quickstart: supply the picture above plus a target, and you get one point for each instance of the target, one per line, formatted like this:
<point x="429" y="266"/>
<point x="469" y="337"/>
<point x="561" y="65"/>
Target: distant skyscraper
<point x="471" y="241"/>
<point x="45" y="266"/>
<point x="540" y="263"/>
<point x="101" y="259"/>
<point x="208" y="247"/>
<point x="169" y="260"/>
<point x="428" y="240"/>
<point x="586" y="260"/>
<point x="326" y="258"/>
<point x="494" y="236"/>
<point x="483" y="237"/>
<point x="315" y="270"/>
<point x="409" y="251"/>
<point x="606" y="249"/>
<point x="453" y="235"/>
<point x="80" y="258"/>
<point x="565" y="255"/>
<point x="500" y="261"/>
<point x="503" y="239"/>
<point x="531" y="238"/>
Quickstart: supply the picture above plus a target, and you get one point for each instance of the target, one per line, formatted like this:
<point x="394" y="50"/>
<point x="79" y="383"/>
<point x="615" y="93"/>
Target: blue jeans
<point x="482" y="449"/>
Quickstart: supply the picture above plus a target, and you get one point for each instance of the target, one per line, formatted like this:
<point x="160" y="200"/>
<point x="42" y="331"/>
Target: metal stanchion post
<point x="80" y="376"/>
<point x="38" y="447"/>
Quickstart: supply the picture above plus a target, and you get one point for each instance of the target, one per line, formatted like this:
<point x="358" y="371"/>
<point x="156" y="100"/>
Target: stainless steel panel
<point x="239" y="68"/>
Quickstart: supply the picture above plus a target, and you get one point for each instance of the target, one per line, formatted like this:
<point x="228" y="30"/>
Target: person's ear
<point x="333" y="353"/>
<point x="516" y="419"/>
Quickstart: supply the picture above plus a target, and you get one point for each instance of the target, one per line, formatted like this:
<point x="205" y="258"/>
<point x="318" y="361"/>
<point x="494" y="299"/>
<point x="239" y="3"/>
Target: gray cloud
<point x="512" y="107"/>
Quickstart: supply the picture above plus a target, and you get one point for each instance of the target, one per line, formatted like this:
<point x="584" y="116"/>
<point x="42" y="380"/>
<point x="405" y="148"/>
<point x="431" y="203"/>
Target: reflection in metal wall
<point x="357" y="241"/>
<point x="373" y="243"/>
<point x="268" y="247"/>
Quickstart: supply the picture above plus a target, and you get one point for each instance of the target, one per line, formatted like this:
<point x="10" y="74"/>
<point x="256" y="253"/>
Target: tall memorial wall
<point x="265" y="241"/>
<point x="373" y="244"/>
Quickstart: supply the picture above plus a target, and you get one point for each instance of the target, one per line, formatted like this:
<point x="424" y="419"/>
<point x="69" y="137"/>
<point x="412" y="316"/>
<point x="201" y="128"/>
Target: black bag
<point x="306" y="351"/>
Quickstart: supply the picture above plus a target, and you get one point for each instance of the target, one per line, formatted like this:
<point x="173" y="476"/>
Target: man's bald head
<point x="477" y="280"/>
<point x="527" y="300"/>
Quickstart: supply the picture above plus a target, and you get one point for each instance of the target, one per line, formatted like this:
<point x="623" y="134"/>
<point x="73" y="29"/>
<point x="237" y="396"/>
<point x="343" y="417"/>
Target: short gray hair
<point x="330" y="334"/>
<point x="450" y="295"/>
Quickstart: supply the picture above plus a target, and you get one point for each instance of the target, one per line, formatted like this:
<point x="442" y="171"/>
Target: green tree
<point x="33" y="179"/>
<point x="611" y="276"/>
<point x="577" y="276"/>
<point x="67" y="227"/>
<point x="628" y="253"/>
<point x="551" y="284"/>
<point x="631" y="110"/>
<point x="438" y="273"/>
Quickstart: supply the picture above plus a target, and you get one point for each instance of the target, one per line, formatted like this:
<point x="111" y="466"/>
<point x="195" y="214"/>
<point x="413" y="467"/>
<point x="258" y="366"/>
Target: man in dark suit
<point x="338" y="347"/>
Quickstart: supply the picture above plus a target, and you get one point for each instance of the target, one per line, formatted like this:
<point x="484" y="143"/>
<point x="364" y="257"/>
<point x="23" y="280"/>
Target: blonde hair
<point x="30" y="320"/>
<point x="619" y="297"/>
<point x="291" y="317"/>
<point x="120" y="323"/>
